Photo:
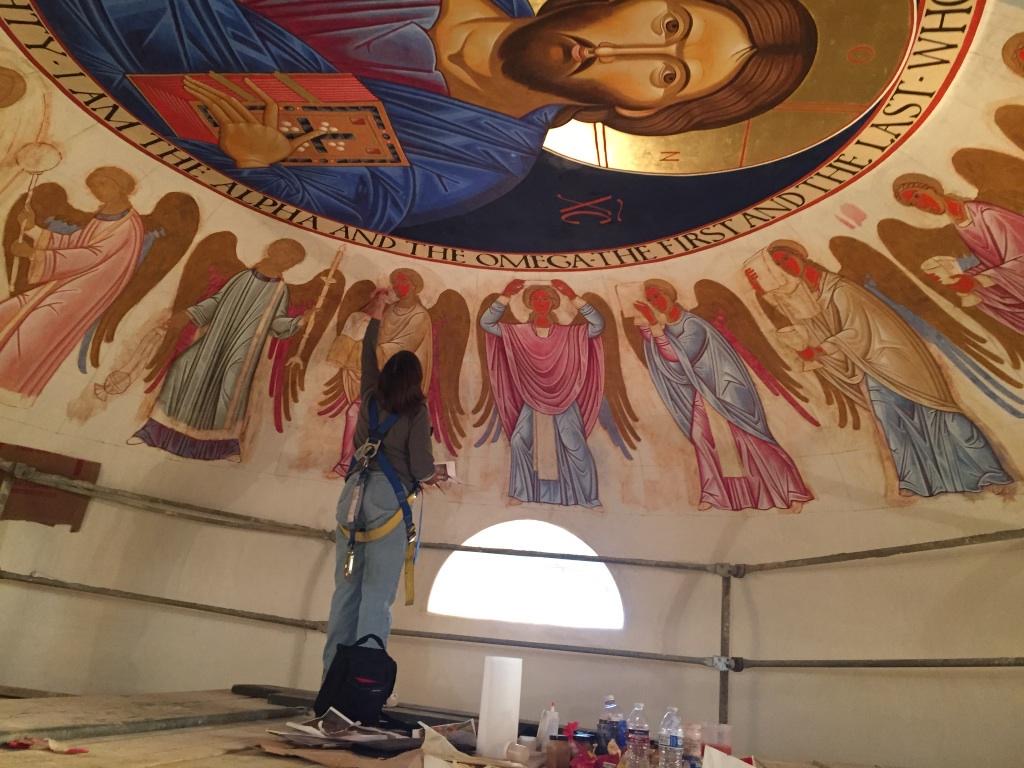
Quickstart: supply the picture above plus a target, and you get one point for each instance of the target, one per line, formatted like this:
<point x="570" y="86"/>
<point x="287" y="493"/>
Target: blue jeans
<point x="361" y="604"/>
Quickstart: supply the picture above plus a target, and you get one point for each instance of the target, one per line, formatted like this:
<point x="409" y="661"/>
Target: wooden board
<point x="212" y="747"/>
<point x="80" y="717"/>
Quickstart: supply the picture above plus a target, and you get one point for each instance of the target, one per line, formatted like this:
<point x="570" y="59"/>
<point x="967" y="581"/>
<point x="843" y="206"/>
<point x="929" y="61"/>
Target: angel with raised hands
<point x="437" y="335"/>
<point x="699" y="373"/>
<point x="223" y="317"/>
<point x="78" y="273"/>
<point x="546" y="385"/>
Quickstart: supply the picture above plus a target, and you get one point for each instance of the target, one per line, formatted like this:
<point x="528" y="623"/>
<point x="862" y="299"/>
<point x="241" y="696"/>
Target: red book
<point x="358" y="131"/>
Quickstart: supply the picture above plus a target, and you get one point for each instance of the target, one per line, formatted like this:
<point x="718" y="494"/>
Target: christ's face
<point x="925" y="200"/>
<point x="657" y="299"/>
<point x="632" y="54"/>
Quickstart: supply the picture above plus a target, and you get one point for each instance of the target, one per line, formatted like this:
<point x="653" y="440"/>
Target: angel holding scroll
<point x="205" y="381"/>
<point x="698" y="369"/>
<point x="868" y="358"/>
<point x="547" y="385"/>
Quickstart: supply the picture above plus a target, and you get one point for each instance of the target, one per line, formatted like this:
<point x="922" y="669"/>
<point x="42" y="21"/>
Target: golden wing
<point x="484" y="408"/>
<point x="615" y="392"/>
<point x="292" y="356"/>
<point x="213" y="262"/>
<point x="170" y="230"/>
<point x="634" y="338"/>
<point x="996" y="175"/>
<point x="1010" y="120"/>
<point x="724" y="310"/>
<point x="911" y="246"/>
<point x="450" y="325"/>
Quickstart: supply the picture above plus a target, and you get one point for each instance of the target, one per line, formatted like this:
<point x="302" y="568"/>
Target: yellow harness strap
<point x="378" y="533"/>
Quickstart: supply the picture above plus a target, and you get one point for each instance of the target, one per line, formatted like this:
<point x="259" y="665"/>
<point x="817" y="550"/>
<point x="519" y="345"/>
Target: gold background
<point x="838" y="90"/>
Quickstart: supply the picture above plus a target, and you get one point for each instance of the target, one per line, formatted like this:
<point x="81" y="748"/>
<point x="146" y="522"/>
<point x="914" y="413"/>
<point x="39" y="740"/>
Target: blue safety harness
<point x="360" y="469"/>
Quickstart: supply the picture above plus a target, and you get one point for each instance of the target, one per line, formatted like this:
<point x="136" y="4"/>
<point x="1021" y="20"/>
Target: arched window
<point x="528" y="590"/>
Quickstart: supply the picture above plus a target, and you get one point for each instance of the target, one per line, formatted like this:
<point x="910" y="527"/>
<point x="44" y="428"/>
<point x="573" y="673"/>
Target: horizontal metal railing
<point x="723" y="663"/>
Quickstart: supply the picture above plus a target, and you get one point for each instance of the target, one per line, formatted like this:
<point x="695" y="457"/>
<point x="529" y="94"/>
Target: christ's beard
<point x="538" y="55"/>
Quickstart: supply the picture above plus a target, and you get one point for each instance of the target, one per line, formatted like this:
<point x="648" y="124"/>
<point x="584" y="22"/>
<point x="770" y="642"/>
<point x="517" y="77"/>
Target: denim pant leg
<point x="382" y="562"/>
<point x="344" y="615"/>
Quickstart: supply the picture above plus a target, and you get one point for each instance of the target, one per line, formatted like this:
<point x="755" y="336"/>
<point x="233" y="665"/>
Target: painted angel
<point x="546" y="385"/>
<point x="77" y="273"/>
<point x="933" y="320"/>
<point x="226" y="318"/>
<point x="437" y="336"/>
<point x="873" y="361"/>
<point x="696" y="361"/>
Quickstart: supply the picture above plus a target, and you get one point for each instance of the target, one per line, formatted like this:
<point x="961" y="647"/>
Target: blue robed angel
<point x="471" y="87"/>
<point x="711" y="396"/>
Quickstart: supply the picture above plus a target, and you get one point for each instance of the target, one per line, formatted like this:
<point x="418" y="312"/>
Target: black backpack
<point x="359" y="682"/>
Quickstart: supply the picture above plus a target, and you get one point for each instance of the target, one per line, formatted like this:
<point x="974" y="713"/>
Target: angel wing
<point x="617" y="415"/>
<point x="213" y="262"/>
<point x="334" y="399"/>
<point x="965" y="349"/>
<point x="910" y="246"/>
<point x="485" y="410"/>
<point x="995" y="174"/>
<point x="727" y="313"/>
<point x="170" y="230"/>
<point x="450" y="326"/>
<point x="291" y="356"/>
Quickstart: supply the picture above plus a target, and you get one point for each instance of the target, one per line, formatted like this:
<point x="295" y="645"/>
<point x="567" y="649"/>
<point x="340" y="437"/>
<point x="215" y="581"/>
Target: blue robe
<point x="709" y="365"/>
<point x="461" y="156"/>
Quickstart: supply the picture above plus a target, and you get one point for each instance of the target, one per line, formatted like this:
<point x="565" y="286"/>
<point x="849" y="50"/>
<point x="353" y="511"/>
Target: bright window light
<point x="528" y="590"/>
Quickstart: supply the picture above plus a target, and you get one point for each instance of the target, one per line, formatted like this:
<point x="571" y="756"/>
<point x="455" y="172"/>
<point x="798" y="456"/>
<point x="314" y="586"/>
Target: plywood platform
<point x="203" y="729"/>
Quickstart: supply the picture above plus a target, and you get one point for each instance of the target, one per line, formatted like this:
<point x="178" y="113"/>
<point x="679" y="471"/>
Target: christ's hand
<point x="251" y="143"/>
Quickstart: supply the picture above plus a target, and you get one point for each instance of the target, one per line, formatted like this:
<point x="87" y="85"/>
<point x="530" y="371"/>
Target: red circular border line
<point x="971" y="32"/>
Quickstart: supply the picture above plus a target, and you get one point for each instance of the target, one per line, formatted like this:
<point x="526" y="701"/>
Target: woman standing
<point x="391" y="398"/>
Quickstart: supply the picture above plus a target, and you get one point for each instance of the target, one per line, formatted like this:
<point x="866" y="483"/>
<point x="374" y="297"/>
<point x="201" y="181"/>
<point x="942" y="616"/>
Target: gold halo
<point x="857" y="59"/>
<point x="1013" y="54"/>
<point x="12" y="87"/>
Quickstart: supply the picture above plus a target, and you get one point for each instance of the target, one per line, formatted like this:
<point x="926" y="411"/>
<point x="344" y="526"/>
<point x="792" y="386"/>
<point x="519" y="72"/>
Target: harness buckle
<point x="367" y="451"/>
<point x="411" y="535"/>
<point x="350" y="562"/>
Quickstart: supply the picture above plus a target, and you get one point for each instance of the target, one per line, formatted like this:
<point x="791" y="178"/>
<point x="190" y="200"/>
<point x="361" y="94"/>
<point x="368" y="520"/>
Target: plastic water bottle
<point x="638" y="738"/>
<point x="611" y="725"/>
<point x="670" y="739"/>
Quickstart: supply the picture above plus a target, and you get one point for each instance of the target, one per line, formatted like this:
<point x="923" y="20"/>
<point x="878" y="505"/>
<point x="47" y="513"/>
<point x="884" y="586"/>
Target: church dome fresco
<point x="730" y="239"/>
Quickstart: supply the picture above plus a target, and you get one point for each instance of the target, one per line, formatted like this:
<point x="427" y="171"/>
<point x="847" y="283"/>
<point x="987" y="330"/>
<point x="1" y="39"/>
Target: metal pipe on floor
<point x="1004" y="661"/>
